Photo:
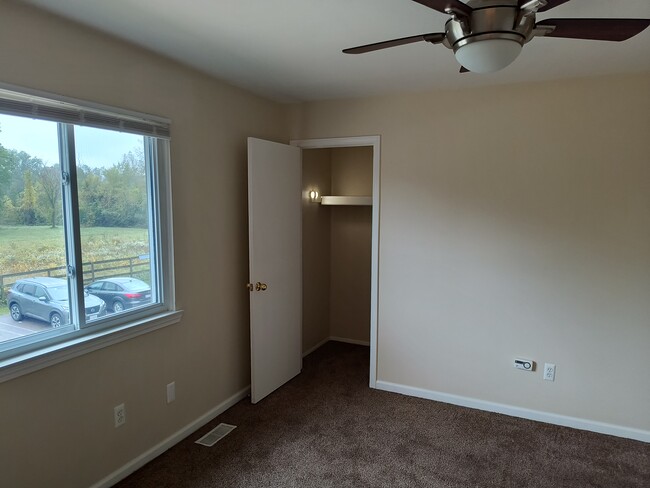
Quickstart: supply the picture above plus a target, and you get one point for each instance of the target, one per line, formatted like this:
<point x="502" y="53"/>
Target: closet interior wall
<point x="336" y="247"/>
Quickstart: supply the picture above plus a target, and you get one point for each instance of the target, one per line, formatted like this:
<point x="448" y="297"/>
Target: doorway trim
<point x="375" y="143"/>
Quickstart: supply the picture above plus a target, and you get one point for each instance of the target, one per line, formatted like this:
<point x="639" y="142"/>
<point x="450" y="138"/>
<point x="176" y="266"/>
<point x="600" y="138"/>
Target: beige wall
<point x="351" y="235"/>
<point x="57" y="424"/>
<point x="316" y="174"/>
<point x="350" y="275"/>
<point x="352" y="171"/>
<point x="514" y="221"/>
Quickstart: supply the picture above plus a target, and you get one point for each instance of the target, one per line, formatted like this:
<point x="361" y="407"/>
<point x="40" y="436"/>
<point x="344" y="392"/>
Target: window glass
<point x="32" y="241"/>
<point x="135" y="285"/>
<point x="96" y="286"/>
<point x="40" y="292"/>
<point x="113" y="207"/>
<point x="58" y="292"/>
<point x="108" y="286"/>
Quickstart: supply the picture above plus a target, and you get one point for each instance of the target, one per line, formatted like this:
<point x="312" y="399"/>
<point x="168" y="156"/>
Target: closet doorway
<point x="340" y="229"/>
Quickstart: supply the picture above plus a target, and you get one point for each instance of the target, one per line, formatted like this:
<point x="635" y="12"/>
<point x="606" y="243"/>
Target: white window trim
<point x="162" y="315"/>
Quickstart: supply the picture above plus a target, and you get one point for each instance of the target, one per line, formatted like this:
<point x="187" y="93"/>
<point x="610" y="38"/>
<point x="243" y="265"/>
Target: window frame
<point x="30" y="354"/>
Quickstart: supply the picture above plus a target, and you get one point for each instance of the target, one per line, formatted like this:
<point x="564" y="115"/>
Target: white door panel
<point x="275" y="259"/>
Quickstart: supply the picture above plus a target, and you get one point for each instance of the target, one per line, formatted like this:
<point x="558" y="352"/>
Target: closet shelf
<point x="331" y="200"/>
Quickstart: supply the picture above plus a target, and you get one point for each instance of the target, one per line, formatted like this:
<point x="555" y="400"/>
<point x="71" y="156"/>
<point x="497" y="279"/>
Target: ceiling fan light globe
<point x="488" y="55"/>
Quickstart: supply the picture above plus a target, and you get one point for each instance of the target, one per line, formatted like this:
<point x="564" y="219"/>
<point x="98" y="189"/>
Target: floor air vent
<point x="215" y="435"/>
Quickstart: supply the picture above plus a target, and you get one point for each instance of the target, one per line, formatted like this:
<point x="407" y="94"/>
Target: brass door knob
<point x="250" y="286"/>
<point x="260" y="286"/>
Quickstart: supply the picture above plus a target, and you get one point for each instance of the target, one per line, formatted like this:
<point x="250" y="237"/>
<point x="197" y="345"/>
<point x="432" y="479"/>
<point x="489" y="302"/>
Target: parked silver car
<point x="47" y="299"/>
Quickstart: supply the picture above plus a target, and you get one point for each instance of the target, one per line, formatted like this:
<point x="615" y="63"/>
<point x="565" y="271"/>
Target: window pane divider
<point x="71" y="222"/>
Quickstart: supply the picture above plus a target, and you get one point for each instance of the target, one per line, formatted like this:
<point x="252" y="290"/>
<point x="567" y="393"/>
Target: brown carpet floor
<point x="326" y="428"/>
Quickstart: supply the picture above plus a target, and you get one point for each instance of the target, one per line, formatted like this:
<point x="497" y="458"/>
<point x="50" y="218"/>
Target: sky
<point x="38" y="138"/>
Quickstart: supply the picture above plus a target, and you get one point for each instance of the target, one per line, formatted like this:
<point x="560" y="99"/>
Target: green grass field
<point x="29" y="235"/>
<point x="28" y="248"/>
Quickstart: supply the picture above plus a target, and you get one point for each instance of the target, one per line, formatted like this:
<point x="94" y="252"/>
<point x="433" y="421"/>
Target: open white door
<point x="275" y="264"/>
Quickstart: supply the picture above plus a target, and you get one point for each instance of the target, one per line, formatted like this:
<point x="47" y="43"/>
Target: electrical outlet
<point x="171" y="392"/>
<point x="120" y="415"/>
<point x="549" y="372"/>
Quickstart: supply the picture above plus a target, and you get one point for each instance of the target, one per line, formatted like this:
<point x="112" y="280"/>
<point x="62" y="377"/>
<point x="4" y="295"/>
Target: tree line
<point x="30" y="191"/>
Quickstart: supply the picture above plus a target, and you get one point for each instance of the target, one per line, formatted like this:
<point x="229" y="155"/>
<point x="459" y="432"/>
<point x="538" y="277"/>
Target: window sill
<point x="28" y="363"/>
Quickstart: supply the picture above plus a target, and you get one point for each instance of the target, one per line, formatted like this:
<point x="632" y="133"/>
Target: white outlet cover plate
<point x="549" y="372"/>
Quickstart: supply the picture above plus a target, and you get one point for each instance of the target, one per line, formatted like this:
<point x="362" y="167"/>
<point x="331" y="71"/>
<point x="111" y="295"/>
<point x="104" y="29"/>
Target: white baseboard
<point x="336" y="339"/>
<point x="312" y="349"/>
<point x="513" y="411"/>
<point x="157" y="450"/>
<point x="350" y="341"/>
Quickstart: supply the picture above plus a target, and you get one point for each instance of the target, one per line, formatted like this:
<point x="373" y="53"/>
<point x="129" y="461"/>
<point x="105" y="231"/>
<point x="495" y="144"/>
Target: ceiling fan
<point x="488" y="35"/>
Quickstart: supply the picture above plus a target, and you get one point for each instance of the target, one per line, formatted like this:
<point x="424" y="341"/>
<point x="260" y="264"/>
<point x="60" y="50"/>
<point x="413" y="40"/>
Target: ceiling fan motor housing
<point x="491" y="36"/>
<point x="490" y="19"/>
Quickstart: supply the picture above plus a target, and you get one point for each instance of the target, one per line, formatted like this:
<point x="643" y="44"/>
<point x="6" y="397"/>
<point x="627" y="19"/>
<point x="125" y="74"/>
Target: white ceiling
<point x="290" y="50"/>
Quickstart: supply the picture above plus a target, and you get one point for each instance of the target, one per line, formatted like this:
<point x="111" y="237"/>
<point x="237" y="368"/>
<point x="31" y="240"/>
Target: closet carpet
<point x="326" y="428"/>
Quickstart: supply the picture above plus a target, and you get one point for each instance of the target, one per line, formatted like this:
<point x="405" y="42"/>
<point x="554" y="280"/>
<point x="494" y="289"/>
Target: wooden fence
<point x="138" y="266"/>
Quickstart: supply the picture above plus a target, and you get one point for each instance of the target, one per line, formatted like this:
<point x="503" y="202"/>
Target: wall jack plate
<point x="524" y="364"/>
<point x="120" y="415"/>
<point x="171" y="392"/>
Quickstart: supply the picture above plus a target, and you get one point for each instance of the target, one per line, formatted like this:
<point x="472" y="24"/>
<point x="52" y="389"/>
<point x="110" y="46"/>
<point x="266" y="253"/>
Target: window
<point x="110" y="286"/>
<point x="95" y="287"/>
<point x="85" y="224"/>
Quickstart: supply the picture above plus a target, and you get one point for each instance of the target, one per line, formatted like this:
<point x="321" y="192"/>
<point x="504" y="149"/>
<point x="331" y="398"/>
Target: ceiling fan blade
<point x="443" y="5"/>
<point x="463" y="69"/>
<point x="433" y="38"/>
<point x="551" y="4"/>
<point x="596" y="29"/>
